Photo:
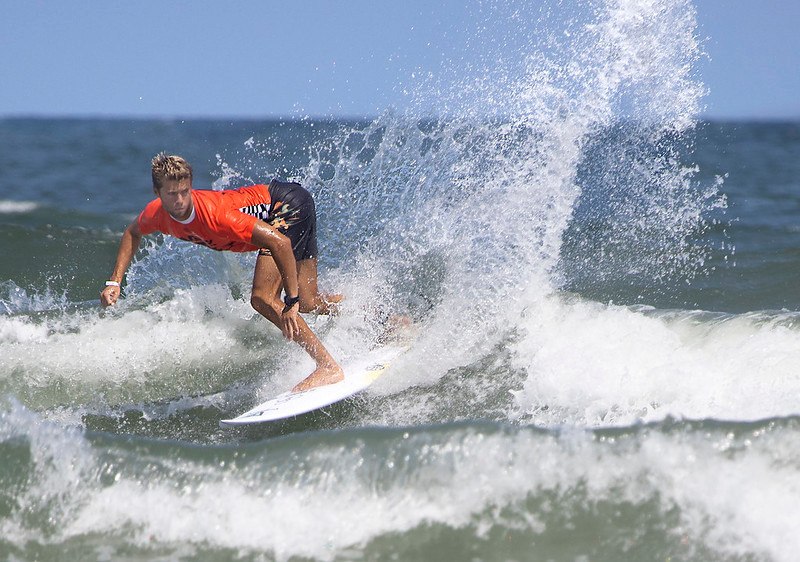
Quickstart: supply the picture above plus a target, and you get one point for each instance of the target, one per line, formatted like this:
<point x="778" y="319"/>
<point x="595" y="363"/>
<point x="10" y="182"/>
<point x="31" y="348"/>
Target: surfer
<point x="278" y="221"/>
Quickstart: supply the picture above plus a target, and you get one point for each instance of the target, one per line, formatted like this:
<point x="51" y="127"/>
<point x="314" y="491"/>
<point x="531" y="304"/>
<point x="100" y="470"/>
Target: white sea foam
<point x="175" y="344"/>
<point x="695" y="486"/>
<point x="8" y="207"/>
<point x="592" y="364"/>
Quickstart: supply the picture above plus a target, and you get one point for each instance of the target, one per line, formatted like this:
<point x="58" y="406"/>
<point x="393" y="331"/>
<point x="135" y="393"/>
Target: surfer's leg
<point x="266" y="299"/>
<point x="311" y="300"/>
<point x="294" y="215"/>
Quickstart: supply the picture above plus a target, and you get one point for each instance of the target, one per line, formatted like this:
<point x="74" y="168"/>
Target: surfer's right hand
<point x="109" y="295"/>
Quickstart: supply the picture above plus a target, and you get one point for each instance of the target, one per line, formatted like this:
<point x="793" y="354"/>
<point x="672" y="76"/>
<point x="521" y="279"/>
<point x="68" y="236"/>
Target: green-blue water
<point x="604" y="290"/>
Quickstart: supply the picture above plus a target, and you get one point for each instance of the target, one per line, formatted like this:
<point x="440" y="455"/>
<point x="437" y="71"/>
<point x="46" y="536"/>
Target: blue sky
<point x="276" y="59"/>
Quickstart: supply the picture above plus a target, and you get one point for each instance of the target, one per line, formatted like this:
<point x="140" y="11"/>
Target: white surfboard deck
<point x="358" y="375"/>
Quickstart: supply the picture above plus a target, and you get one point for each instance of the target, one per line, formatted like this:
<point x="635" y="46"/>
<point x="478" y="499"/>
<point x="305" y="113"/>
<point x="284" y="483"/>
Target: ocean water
<point x="603" y="289"/>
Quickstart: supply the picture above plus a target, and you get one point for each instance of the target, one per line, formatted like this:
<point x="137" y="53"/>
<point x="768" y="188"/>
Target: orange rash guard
<point x="222" y="220"/>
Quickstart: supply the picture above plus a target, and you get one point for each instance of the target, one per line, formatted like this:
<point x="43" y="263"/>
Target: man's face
<point x="176" y="198"/>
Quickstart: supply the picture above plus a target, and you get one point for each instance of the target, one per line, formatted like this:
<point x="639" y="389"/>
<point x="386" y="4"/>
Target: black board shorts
<point x="293" y="214"/>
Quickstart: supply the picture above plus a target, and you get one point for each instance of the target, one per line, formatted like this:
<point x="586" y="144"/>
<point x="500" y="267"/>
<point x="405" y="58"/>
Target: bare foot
<point x="323" y="375"/>
<point x="328" y="304"/>
<point x="393" y="325"/>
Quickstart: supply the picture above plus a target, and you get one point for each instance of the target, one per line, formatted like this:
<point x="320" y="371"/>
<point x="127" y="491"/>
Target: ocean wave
<point x="597" y="365"/>
<point x="561" y="361"/>
<point x="677" y="489"/>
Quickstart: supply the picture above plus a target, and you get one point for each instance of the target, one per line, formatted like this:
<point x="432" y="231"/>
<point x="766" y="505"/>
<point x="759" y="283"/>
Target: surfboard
<point x="358" y="375"/>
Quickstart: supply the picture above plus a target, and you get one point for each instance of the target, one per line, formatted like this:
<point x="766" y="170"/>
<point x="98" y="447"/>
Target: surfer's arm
<point x="266" y="237"/>
<point x="128" y="246"/>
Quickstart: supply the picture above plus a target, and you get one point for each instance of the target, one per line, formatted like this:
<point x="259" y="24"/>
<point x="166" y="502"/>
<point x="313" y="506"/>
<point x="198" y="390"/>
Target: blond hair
<point x="170" y="168"/>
